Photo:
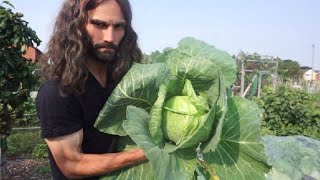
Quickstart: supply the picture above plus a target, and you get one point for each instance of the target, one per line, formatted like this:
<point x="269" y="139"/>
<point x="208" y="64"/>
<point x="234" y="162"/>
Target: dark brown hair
<point x="68" y="46"/>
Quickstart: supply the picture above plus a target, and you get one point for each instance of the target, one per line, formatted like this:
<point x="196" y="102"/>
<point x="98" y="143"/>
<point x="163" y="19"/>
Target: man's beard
<point x="98" y="52"/>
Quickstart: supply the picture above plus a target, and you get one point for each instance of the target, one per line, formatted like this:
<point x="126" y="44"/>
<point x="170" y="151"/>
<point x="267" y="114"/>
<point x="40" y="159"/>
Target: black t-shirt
<point x="61" y="116"/>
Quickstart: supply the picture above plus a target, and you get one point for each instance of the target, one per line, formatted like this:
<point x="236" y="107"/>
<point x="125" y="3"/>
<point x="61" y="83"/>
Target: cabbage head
<point x="176" y="107"/>
<point x="182" y="116"/>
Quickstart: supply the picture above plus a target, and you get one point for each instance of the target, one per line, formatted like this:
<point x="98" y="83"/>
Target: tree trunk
<point x="3" y="156"/>
<point x="5" y="124"/>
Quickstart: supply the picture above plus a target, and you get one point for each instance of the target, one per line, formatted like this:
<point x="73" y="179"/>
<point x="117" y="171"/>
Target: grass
<point x="27" y="144"/>
<point x="43" y="170"/>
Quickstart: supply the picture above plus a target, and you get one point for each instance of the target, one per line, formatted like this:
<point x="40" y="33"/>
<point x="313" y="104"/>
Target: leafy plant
<point x="40" y="151"/>
<point x="25" y="115"/>
<point x="16" y="74"/>
<point x="177" y="109"/>
<point x="23" y="143"/>
<point x="290" y="111"/>
<point x="43" y="170"/>
<point x="293" y="157"/>
<point x="289" y="69"/>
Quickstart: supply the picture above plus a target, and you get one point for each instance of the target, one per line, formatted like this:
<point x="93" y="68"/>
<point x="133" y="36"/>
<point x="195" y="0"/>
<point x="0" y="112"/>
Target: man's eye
<point x="99" y="24"/>
<point x="119" y="26"/>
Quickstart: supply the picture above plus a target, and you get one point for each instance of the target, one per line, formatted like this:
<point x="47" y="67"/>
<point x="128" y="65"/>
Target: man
<point x="93" y="45"/>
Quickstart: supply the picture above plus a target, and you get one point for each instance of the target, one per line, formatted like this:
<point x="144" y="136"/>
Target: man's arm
<point x="74" y="164"/>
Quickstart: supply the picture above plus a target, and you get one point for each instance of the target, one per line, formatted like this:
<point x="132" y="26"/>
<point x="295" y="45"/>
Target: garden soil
<point x="27" y="169"/>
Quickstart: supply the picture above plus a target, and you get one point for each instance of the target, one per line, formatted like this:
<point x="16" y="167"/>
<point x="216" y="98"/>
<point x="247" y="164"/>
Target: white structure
<point x="310" y="75"/>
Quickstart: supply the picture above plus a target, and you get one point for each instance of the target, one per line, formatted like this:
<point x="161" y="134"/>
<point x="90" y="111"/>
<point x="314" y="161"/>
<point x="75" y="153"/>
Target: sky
<point x="280" y="28"/>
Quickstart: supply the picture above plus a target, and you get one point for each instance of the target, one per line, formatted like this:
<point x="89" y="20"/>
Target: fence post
<point x="242" y="77"/>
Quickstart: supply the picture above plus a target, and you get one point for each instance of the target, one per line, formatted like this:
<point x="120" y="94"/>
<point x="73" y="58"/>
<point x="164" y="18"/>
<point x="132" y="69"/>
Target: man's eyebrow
<point x="97" y="21"/>
<point x="123" y="23"/>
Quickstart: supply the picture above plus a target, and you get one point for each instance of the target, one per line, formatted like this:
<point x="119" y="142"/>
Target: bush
<point x="24" y="144"/>
<point x="25" y="115"/>
<point x="40" y="151"/>
<point x="290" y="111"/>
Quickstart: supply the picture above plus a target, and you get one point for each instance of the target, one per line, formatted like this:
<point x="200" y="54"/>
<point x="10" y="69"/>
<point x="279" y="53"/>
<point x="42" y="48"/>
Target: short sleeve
<point x="58" y="115"/>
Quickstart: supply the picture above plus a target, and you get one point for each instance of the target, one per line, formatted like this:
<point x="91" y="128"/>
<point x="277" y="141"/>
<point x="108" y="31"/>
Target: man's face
<point x="106" y="29"/>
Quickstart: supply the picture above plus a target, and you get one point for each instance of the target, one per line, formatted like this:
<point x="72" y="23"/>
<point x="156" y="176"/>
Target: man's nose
<point x="109" y="35"/>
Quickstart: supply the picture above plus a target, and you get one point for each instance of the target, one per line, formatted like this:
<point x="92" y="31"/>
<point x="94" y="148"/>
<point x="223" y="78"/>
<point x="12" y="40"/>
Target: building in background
<point x="311" y="75"/>
<point x="32" y="54"/>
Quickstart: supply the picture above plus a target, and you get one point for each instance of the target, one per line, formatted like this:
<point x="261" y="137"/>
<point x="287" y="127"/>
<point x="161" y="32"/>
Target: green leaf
<point x="217" y="95"/>
<point x="178" y="165"/>
<point x="156" y="117"/>
<point x="293" y="157"/>
<point x="11" y="63"/>
<point x="137" y="88"/>
<point x="198" y="101"/>
<point x="201" y="72"/>
<point x="141" y="171"/>
<point x="16" y="40"/>
<point x="6" y="94"/>
<point x="161" y="165"/>
<point x="201" y="51"/>
<point x="240" y="152"/>
<point x="23" y="48"/>
<point x="156" y="57"/>
<point x="8" y="3"/>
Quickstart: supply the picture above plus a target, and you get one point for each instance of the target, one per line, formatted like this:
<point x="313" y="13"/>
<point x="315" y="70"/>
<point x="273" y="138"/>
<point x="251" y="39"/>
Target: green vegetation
<point x="177" y="109"/>
<point x="26" y="115"/>
<point x="40" y="151"/>
<point x="27" y="144"/>
<point x="17" y="80"/>
<point x="43" y="170"/>
<point x="290" y="111"/>
<point x="16" y="74"/>
<point x="293" y="157"/>
<point x="289" y="70"/>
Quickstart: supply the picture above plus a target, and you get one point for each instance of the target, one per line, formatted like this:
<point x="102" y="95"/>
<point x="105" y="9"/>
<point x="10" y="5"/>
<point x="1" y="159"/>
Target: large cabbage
<point x="177" y="109"/>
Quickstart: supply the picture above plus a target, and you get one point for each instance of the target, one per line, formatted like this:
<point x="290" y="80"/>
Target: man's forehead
<point x="108" y="11"/>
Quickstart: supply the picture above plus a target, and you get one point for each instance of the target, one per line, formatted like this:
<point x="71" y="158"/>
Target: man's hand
<point x="66" y="151"/>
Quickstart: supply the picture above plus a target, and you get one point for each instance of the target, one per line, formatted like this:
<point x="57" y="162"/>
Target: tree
<point x="289" y="69"/>
<point x="306" y="67"/>
<point x="16" y="74"/>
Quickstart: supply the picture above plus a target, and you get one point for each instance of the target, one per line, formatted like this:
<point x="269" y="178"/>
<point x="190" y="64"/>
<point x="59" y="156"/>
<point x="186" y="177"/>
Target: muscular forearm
<point x="74" y="164"/>
<point x="86" y="165"/>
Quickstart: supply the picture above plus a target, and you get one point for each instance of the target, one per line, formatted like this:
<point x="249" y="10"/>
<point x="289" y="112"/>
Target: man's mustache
<point x="106" y="45"/>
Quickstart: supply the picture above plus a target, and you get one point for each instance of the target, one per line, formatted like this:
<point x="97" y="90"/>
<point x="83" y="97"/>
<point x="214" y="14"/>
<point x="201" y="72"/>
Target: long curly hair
<point x="67" y="48"/>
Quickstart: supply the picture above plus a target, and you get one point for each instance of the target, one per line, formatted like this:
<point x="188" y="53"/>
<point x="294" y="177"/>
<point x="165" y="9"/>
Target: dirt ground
<point x="27" y="169"/>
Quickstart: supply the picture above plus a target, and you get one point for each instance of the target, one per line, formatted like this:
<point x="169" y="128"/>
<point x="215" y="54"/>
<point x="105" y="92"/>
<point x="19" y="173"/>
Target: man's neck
<point x="98" y="70"/>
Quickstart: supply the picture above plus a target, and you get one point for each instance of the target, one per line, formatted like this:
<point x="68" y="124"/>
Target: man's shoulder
<point x="51" y="89"/>
<point x="49" y="86"/>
